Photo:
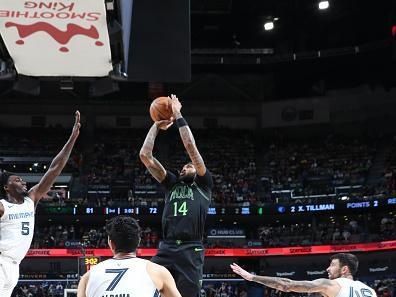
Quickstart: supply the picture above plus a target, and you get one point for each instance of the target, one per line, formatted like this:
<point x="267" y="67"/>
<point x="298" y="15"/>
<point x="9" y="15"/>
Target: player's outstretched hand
<point x="164" y="124"/>
<point x="176" y="106"/>
<point x="242" y="272"/>
<point x="77" y="125"/>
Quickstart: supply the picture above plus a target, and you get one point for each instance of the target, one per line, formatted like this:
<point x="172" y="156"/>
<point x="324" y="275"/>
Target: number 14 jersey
<point x="186" y="207"/>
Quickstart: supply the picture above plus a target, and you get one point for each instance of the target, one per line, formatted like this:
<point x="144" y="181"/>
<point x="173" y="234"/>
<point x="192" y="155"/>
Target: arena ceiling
<point x="300" y="25"/>
<point x="354" y="38"/>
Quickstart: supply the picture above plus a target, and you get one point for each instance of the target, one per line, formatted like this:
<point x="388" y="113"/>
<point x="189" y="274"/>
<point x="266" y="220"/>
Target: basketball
<point x="161" y="109"/>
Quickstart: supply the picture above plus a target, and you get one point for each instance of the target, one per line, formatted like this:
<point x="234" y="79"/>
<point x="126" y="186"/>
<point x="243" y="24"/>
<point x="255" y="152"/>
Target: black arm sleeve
<point x="205" y="181"/>
<point x="169" y="181"/>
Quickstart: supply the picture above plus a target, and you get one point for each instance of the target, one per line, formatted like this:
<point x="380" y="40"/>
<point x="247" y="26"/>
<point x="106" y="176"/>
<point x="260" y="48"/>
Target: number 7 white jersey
<point x="351" y="288"/>
<point x="16" y="229"/>
<point x="121" y="278"/>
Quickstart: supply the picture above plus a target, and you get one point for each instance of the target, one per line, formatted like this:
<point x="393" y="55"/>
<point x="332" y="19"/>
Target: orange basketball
<point x="161" y="109"/>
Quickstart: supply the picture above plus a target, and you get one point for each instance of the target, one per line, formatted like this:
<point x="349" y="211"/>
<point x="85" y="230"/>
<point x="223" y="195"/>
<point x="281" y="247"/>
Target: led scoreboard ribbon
<point x="269" y="209"/>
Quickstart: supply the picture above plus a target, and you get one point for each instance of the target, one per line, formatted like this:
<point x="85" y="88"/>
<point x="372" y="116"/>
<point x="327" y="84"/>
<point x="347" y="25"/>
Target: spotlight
<point x="323" y="5"/>
<point x="269" y="25"/>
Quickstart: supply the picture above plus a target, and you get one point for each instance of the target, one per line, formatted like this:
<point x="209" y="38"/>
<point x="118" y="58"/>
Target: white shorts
<point x="9" y="275"/>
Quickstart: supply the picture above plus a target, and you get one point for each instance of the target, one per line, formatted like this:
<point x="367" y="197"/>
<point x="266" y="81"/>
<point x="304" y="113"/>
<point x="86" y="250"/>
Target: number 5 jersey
<point x="16" y="229"/>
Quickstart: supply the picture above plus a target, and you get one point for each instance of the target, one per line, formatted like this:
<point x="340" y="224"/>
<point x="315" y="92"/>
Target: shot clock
<point x="86" y="263"/>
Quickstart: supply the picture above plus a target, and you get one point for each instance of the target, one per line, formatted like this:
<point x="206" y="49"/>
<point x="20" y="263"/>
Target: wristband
<point x="181" y="122"/>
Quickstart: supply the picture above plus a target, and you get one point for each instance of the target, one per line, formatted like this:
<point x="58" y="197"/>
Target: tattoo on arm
<point x="148" y="145"/>
<point x="287" y="285"/>
<point x="192" y="150"/>
<point x="146" y="155"/>
<point x="156" y="169"/>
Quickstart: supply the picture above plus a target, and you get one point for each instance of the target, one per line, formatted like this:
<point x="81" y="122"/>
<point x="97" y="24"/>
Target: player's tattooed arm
<point x="192" y="150"/>
<point x="146" y="154"/>
<point x="324" y="286"/>
<point x="57" y="164"/>
<point x="287" y="285"/>
<point x="188" y="139"/>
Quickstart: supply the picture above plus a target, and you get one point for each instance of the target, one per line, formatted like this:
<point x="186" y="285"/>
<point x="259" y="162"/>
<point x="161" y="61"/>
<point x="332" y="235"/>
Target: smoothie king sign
<point x="56" y="38"/>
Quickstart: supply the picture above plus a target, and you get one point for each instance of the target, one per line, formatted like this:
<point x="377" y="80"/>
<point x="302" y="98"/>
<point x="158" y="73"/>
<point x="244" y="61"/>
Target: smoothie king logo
<point x="46" y="17"/>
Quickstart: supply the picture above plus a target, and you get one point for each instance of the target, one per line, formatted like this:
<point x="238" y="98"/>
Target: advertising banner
<point x="57" y="38"/>
<point x="226" y="252"/>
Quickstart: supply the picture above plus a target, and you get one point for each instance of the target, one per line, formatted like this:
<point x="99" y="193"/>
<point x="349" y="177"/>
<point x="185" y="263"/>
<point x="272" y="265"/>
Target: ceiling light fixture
<point x="323" y="5"/>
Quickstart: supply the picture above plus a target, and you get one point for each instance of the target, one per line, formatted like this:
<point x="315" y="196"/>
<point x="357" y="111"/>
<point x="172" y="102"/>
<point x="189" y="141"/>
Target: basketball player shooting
<point x="342" y="268"/>
<point x="17" y="213"/>
<point x="187" y="199"/>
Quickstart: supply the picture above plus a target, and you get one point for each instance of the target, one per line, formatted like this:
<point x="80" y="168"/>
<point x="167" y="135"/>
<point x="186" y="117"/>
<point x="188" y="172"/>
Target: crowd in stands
<point x="43" y="289"/>
<point x="224" y="289"/>
<point x="383" y="288"/>
<point x="113" y="158"/>
<point x="33" y="141"/>
<point x="335" y="231"/>
<point x="236" y="159"/>
<point x="338" y="231"/>
<point x="28" y="145"/>
<point x="325" y="233"/>
<point x="73" y="236"/>
<point x="389" y="176"/>
<point x="230" y="157"/>
<point x="317" y="167"/>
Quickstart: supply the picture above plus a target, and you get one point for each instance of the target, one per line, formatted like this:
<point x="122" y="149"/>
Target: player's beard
<point x="335" y="275"/>
<point x="187" y="178"/>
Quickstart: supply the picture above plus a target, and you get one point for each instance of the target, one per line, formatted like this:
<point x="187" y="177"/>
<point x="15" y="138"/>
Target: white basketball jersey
<point x="16" y="229"/>
<point x="121" y="278"/>
<point x="351" y="288"/>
